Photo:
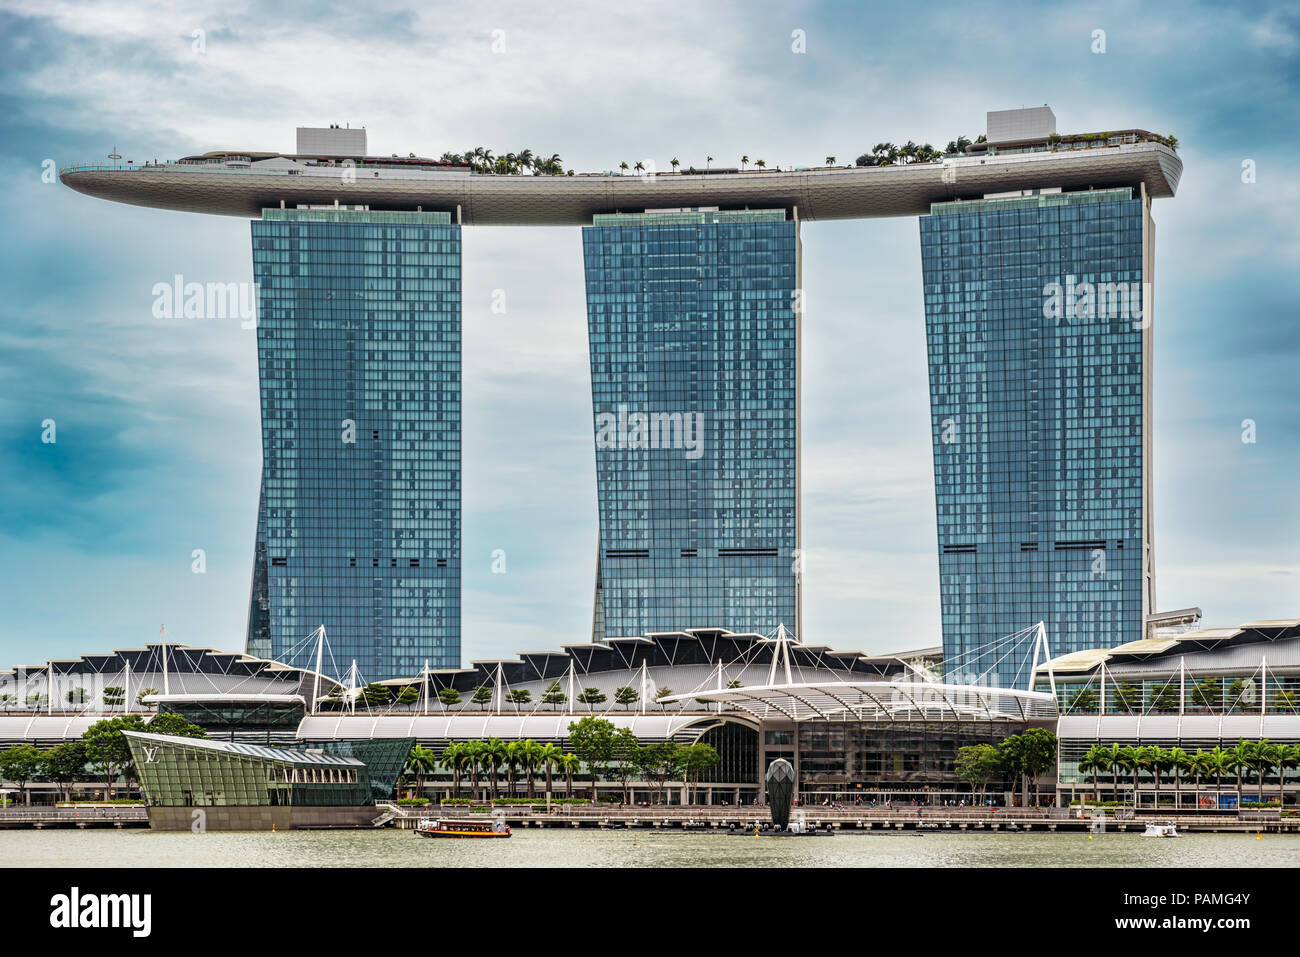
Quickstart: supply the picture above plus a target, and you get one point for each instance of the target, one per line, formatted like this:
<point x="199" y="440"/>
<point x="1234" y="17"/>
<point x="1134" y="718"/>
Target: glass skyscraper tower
<point x="1040" y="399"/>
<point x="358" y="529"/>
<point x="693" y="320"/>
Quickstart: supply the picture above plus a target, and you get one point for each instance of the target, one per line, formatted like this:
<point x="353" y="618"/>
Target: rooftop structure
<point x="242" y="184"/>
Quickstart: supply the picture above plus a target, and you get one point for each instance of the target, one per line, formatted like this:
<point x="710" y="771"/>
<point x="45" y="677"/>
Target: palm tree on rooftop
<point x="674" y="163"/>
<point x="760" y="163"/>
<point x="830" y="161"/>
<point x="526" y="158"/>
<point x="744" y="161"/>
<point x="707" y="161"/>
<point x="639" y="167"/>
<point x="623" y="166"/>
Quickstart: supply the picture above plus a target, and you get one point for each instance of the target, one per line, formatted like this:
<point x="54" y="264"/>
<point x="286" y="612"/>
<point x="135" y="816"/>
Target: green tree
<point x="1181" y="763"/>
<point x="513" y="762"/>
<point x="695" y="760"/>
<point x="420" y="761"/>
<point x="474" y="760"/>
<point x="455" y="757"/>
<point x="63" y="763"/>
<point x="591" y="697"/>
<point x="549" y="759"/>
<point x="1095" y="761"/>
<point x="977" y="765"/>
<point x="77" y="696"/>
<point x="571" y="764"/>
<point x="530" y="759"/>
<point x="20" y="764"/>
<point x="519" y="696"/>
<point x="494" y="754"/>
<point x="482" y="696"/>
<point x="449" y="697"/>
<point x="114" y="696"/>
<point x="1083" y="700"/>
<point x="625" y="696"/>
<point x="624" y="755"/>
<point x="1208" y="693"/>
<point x="659" y="763"/>
<point x="107" y="749"/>
<point x="1128" y="761"/>
<point x="1165" y="698"/>
<point x="375" y="694"/>
<point x="661" y="694"/>
<point x="1128" y="697"/>
<point x="593" y="743"/>
<point x="169" y="722"/>
<point x="144" y="693"/>
<point x="408" y="695"/>
<point x="553" y="695"/>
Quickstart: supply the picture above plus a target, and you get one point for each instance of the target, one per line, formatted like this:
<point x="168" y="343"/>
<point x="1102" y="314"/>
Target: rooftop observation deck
<point x="246" y="188"/>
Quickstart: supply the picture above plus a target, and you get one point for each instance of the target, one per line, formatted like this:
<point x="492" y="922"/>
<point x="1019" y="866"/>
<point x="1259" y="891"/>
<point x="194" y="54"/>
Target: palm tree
<point x="421" y="761"/>
<point x="530" y="757"/>
<point x="571" y="764"/>
<point x="454" y="758"/>
<point x="707" y="161"/>
<point x="1238" y="761"/>
<point x="674" y="163"/>
<point x="1180" y="761"/>
<point x="639" y="166"/>
<point x="1128" y="760"/>
<point x="1218" y="762"/>
<point x="1112" y="762"/>
<point x="1095" y="761"/>
<point x="548" y="759"/>
<point x="760" y="163"/>
<point x="494" y="755"/>
<point x="1258" y="756"/>
<point x="830" y="161"/>
<point x="1288" y="759"/>
<point x="526" y="158"/>
<point x="474" y="761"/>
<point x="744" y="161"/>
<point x="513" y="760"/>
<point x="623" y="166"/>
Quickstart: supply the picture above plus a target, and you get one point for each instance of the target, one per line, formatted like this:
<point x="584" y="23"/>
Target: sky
<point x="157" y="449"/>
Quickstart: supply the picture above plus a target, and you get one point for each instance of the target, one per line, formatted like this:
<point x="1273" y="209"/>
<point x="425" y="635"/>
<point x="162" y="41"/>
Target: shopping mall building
<point x="854" y="725"/>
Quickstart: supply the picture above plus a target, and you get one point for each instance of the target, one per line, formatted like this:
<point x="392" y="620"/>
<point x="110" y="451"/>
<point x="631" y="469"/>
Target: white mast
<point x="162" y="636"/>
<point x="320" y="650"/>
<point x="424" y="685"/>
<point x="126" y="686"/>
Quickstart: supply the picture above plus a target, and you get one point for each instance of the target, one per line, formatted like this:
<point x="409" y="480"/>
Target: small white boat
<point x="1161" y="830"/>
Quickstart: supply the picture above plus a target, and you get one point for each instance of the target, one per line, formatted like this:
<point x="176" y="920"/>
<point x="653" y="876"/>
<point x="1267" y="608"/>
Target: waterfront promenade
<point x="688" y="818"/>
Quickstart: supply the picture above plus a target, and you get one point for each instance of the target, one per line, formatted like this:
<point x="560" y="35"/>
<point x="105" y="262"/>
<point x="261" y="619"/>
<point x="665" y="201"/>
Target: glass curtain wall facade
<point x="359" y="363"/>
<point x="694" y="332"/>
<point x="1040" y="399"/>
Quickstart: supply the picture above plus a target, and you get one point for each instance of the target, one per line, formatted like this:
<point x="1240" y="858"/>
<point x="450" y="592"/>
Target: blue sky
<point x="158" y="436"/>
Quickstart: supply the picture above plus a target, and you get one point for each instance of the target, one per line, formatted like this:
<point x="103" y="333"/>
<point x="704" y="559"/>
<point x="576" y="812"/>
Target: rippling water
<point x="547" y="848"/>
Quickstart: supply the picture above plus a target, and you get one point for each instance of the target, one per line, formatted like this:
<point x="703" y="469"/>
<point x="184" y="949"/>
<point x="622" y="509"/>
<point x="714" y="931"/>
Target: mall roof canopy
<point x="887" y="700"/>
